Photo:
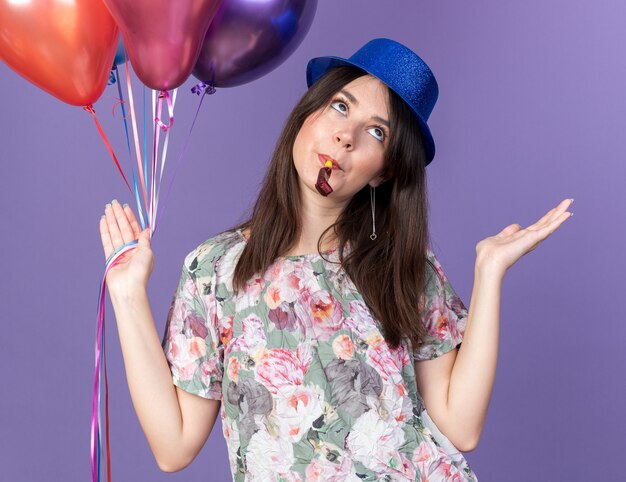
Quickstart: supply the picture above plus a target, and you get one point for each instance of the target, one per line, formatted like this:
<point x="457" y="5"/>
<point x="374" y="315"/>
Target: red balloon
<point x="163" y="37"/>
<point x="65" y="48"/>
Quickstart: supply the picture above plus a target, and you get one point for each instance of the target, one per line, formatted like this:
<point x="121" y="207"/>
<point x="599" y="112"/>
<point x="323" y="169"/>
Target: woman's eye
<point x="378" y="133"/>
<point x="340" y="106"/>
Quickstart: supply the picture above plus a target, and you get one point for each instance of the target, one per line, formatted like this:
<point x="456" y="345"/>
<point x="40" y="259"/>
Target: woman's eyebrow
<point x="352" y="99"/>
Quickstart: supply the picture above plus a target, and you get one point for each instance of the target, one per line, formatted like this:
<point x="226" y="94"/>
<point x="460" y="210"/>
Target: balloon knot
<point x="203" y="87"/>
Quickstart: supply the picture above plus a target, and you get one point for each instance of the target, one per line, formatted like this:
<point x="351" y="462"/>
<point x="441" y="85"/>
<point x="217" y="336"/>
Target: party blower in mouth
<point x="322" y="185"/>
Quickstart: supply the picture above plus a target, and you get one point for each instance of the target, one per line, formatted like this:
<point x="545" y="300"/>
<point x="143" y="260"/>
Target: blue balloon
<point x="119" y="53"/>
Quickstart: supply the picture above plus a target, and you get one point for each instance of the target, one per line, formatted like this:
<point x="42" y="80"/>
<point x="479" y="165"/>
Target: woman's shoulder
<point x="209" y="253"/>
<point x="433" y="265"/>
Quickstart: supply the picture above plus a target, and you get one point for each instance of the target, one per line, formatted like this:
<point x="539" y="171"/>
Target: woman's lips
<point x="323" y="158"/>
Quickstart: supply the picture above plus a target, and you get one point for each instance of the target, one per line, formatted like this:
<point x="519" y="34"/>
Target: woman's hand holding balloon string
<point x="148" y="374"/>
<point x="501" y="251"/>
<point x="133" y="268"/>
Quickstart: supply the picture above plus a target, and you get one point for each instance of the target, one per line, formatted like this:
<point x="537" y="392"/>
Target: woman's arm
<point x="457" y="386"/>
<point x="474" y="370"/>
<point x="162" y="408"/>
<point x="175" y="423"/>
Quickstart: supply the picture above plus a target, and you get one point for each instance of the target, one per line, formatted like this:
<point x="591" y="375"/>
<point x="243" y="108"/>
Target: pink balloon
<point x="249" y="38"/>
<point x="163" y="37"/>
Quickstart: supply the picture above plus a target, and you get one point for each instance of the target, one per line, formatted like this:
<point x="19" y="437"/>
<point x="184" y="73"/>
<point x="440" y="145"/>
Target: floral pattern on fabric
<point x="309" y="389"/>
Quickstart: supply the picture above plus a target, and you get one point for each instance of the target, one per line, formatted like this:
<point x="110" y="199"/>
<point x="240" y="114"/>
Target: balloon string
<point x="100" y="437"/>
<point x="95" y="432"/>
<point x="145" y="144"/>
<point x="100" y="350"/>
<point x="95" y="415"/>
<point x="112" y="259"/>
<point x="106" y="401"/>
<point x="91" y="110"/>
<point x="119" y="91"/>
<point x="152" y="124"/>
<point x="138" y="201"/>
<point x="204" y="89"/>
<point x="135" y="135"/>
<point x="155" y="149"/>
<point x="121" y="97"/>
<point x="158" y="127"/>
<point x="171" y="106"/>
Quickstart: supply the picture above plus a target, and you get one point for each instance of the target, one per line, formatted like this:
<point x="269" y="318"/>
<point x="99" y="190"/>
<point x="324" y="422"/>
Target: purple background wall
<point x="531" y="111"/>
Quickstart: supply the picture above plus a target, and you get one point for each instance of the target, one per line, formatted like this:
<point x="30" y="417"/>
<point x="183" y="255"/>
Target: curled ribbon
<point x="100" y="354"/>
<point x="202" y="89"/>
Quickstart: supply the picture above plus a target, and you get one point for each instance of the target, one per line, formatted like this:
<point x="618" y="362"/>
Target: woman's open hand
<point x="501" y="251"/>
<point x="132" y="270"/>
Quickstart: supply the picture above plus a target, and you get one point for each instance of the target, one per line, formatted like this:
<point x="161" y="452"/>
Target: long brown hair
<point x="389" y="272"/>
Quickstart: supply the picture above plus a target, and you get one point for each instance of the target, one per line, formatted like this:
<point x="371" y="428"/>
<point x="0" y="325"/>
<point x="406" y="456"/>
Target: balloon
<point x="119" y="53"/>
<point x="249" y="38"/>
<point x="163" y="37"/>
<point x="63" y="47"/>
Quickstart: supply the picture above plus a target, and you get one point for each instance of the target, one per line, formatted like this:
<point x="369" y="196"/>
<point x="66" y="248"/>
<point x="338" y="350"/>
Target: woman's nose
<point x="344" y="138"/>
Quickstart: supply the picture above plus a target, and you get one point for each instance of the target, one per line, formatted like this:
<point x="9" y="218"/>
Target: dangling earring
<point x="373" y="203"/>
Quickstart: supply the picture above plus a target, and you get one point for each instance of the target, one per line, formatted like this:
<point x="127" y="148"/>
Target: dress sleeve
<point x="191" y="340"/>
<point x="445" y="315"/>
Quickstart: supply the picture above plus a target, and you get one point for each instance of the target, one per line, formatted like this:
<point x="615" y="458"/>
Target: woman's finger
<point x="539" y="235"/>
<point x="122" y="222"/>
<point x="551" y="215"/>
<point x="509" y="230"/>
<point x="107" y="244"/>
<point x="555" y="223"/>
<point x="559" y="215"/>
<point x="114" y="230"/>
<point x="544" y="219"/>
<point x="132" y="220"/>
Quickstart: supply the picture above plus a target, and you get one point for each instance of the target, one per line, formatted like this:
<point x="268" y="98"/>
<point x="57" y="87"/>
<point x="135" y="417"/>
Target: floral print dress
<point x="309" y="389"/>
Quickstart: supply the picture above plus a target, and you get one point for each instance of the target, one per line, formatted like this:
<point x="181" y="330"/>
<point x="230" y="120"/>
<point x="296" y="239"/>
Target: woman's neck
<point x="309" y="238"/>
<point x="318" y="214"/>
<point x="307" y="243"/>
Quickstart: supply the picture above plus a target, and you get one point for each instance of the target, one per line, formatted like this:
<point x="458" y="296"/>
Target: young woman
<point x="323" y="329"/>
